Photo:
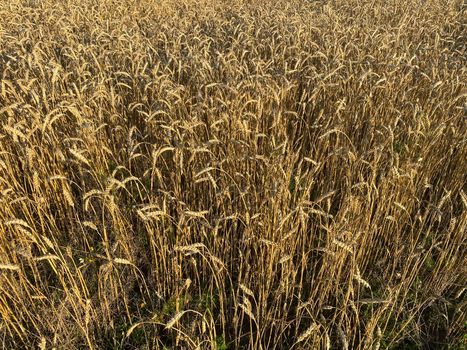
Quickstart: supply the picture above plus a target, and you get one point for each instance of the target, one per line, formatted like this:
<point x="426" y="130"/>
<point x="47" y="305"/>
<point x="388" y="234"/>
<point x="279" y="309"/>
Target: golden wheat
<point x="207" y="174"/>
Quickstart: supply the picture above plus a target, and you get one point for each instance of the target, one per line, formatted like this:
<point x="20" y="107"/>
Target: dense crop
<point x="232" y="174"/>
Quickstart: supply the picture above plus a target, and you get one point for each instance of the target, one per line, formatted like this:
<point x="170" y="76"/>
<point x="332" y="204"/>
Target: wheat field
<point x="207" y="174"/>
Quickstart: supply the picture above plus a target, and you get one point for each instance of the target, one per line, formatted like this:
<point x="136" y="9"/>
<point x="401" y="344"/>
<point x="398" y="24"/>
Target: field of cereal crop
<point x="207" y="174"/>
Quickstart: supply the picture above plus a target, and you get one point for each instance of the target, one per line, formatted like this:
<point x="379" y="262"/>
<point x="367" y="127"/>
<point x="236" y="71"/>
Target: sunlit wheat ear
<point x="219" y="262"/>
<point x="247" y="290"/>
<point x="246" y="307"/>
<point x="111" y="204"/>
<point x="79" y="156"/>
<point x="203" y="327"/>
<point x="17" y="134"/>
<point x="342" y="245"/>
<point x="174" y="319"/>
<point x="342" y="337"/>
<point x="36" y="181"/>
<point x="43" y="344"/>
<point x="122" y="261"/>
<point x="17" y="222"/>
<point x="48" y="242"/>
<point x="360" y="280"/>
<point x="327" y="341"/>
<point x="47" y="257"/>
<point x="91" y="225"/>
<point x="68" y="196"/>
<point x="284" y="259"/>
<point x="192" y="248"/>
<point x="10" y="267"/>
<point x="378" y="338"/>
<point x="87" y="316"/>
<point x="307" y="333"/>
